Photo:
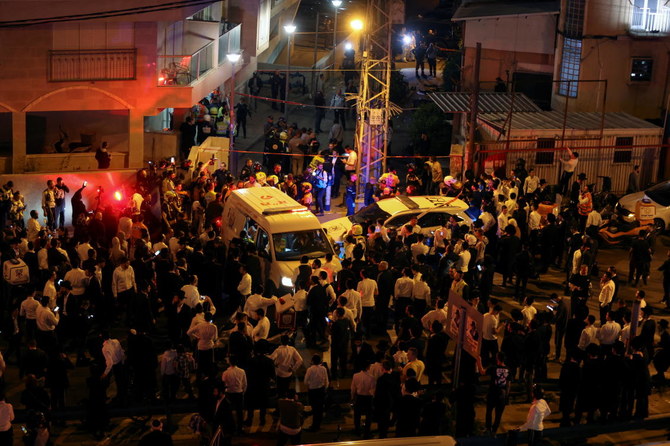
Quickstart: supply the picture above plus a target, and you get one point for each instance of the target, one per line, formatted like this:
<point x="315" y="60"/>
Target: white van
<point x="282" y="229"/>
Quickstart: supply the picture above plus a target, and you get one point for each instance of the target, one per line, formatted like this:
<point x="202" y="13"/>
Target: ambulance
<point x="282" y="230"/>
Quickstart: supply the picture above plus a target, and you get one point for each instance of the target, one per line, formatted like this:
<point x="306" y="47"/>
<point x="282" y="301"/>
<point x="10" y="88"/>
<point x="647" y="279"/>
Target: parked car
<point x="657" y="196"/>
<point x="431" y="211"/>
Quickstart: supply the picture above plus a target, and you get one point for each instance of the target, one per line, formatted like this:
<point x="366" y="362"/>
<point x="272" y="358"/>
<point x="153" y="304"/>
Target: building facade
<point x="76" y="73"/>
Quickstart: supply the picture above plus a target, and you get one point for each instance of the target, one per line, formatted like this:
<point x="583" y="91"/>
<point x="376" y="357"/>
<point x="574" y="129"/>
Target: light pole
<point x="232" y="58"/>
<point x="290" y="29"/>
<point x="336" y="4"/>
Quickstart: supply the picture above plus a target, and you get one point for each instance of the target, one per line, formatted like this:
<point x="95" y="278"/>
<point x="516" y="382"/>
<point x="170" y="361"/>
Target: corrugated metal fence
<point x="595" y="158"/>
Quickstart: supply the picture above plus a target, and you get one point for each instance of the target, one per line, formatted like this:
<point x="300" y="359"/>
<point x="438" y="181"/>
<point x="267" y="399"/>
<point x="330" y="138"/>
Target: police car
<point x="431" y="211"/>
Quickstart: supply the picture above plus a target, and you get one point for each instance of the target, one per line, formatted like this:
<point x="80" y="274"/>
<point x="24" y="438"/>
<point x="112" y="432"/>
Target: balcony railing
<point x="229" y="42"/>
<point x="646" y="20"/>
<point x="182" y="70"/>
<point x="92" y="65"/>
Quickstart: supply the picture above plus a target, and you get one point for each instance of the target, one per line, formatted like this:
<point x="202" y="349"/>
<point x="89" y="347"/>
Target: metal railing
<point x="182" y="70"/>
<point x="648" y="21"/>
<point x="92" y="65"/>
<point x="229" y="42"/>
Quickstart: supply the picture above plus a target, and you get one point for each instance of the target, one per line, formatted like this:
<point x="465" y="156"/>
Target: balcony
<point x="648" y="21"/>
<point x="92" y="65"/>
<point x="184" y="70"/>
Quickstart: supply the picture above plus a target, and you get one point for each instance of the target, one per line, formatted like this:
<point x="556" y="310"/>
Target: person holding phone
<point x="46" y="321"/>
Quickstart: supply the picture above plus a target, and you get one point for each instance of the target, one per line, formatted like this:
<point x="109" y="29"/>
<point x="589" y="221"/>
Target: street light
<point x="336" y="4"/>
<point x="233" y="58"/>
<point x="289" y="29"/>
<point x="356" y="24"/>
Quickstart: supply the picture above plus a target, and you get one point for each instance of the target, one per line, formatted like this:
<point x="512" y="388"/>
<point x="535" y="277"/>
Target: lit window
<point x="570" y="65"/>
<point x="649" y="16"/>
<point x="640" y="70"/>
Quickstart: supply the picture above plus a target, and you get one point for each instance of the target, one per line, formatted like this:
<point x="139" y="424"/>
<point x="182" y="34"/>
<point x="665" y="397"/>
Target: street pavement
<point x="338" y="422"/>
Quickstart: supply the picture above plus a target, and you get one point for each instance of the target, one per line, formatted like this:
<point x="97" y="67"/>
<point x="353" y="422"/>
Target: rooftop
<point x="480" y="9"/>
<point x="553" y="120"/>
<point x="489" y="102"/>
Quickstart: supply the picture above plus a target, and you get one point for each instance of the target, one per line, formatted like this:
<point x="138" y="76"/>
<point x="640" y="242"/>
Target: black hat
<point x="581" y="176"/>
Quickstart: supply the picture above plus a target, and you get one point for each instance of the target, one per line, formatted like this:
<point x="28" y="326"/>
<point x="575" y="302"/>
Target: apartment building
<point x="76" y="73"/>
<point x="518" y="40"/>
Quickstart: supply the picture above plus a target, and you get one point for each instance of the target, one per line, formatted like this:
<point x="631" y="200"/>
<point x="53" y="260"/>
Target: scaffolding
<point x="373" y="101"/>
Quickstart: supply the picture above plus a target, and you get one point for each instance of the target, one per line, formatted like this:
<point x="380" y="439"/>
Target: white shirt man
<point x="588" y="336"/>
<point x="206" y="333"/>
<point x="487" y="221"/>
<point x="235" y="379"/>
<point x="571" y="164"/>
<point x="609" y="332"/>
<point x="245" y="285"/>
<point x="490" y="326"/>
<point x="257" y="302"/>
<point x="606" y="293"/>
<point x="421" y="291"/>
<point x="77" y="278"/>
<point x="300" y="300"/>
<point x="368" y="289"/>
<point x="46" y="319"/>
<point x="29" y="308"/>
<point x="531" y="183"/>
<point x="534" y="220"/>
<point x="82" y="251"/>
<point x="192" y="295"/>
<point x="43" y="259"/>
<point x="123" y="279"/>
<point x="503" y="221"/>
<point x="287" y="360"/>
<point x="594" y="219"/>
<point x="438" y="314"/>
<point x="113" y="353"/>
<point x="350" y="161"/>
<point x="33" y="228"/>
<point x="50" y="291"/>
<point x="316" y="377"/>
<point x="363" y="384"/>
<point x="353" y="302"/>
<point x="419" y="248"/>
<point x="463" y="258"/>
<point x="261" y="330"/>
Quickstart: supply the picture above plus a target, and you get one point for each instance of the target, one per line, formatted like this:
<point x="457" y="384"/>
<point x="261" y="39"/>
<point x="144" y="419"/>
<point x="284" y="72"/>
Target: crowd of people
<point x="157" y="304"/>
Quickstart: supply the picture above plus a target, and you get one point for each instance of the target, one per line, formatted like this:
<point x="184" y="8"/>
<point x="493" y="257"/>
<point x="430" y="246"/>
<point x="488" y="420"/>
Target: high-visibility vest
<point x="585" y="207"/>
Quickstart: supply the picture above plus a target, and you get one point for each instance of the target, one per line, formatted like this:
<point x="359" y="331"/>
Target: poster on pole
<point x="472" y="331"/>
<point x="376" y="116"/>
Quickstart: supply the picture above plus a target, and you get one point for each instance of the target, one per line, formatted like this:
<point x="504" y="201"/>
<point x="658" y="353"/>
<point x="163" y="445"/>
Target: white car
<point x="432" y="211"/>
<point x="658" y="195"/>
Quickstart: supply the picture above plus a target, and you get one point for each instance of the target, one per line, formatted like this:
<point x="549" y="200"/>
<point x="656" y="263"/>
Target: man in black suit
<point x="156" y="437"/>
<point x="361" y="353"/>
<point x="385" y="283"/>
<point x="222" y="415"/>
<point x="387" y="393"/>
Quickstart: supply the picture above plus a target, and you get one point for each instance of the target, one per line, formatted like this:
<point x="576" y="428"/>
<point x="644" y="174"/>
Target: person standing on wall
<point x="569" y="167"/>
<point x="60" y="189"/>
<point x="49" y="204"/>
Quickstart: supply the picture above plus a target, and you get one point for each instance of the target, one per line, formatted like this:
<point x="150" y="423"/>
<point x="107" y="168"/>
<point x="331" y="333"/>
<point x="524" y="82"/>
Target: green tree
<point x="429" y="119"/>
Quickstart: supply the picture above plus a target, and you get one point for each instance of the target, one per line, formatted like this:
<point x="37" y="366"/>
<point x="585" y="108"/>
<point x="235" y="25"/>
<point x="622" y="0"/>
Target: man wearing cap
<point x="569" y="166"/>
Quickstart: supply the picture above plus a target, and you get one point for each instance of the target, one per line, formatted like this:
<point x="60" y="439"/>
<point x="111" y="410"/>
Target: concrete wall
<point x="524" y="34"/>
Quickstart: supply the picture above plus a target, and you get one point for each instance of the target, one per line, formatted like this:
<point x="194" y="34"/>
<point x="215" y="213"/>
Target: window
<point x="263" y="244"/>
<point x="574" y="18"/>
<point x="622" y="156"/>
<point x="570" y="66"/>
<point x="204" y="15"/>
<point x="649" y="16"/>
<point x="640" y="70"/>
<point x="401" y="220"/>
<point x="433" y="219"/>
<point x="544" y="158"/>
<point x="293" y="245"/>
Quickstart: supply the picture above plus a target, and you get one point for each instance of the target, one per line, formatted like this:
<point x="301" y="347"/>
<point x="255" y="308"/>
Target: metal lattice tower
<point x="374" y="90"/>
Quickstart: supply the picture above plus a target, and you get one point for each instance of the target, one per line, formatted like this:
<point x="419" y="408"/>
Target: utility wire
<point x="104" y="14"/>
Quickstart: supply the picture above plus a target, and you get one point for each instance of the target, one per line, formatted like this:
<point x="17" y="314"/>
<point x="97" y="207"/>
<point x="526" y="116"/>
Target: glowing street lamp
<point x="356" y="24"/>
